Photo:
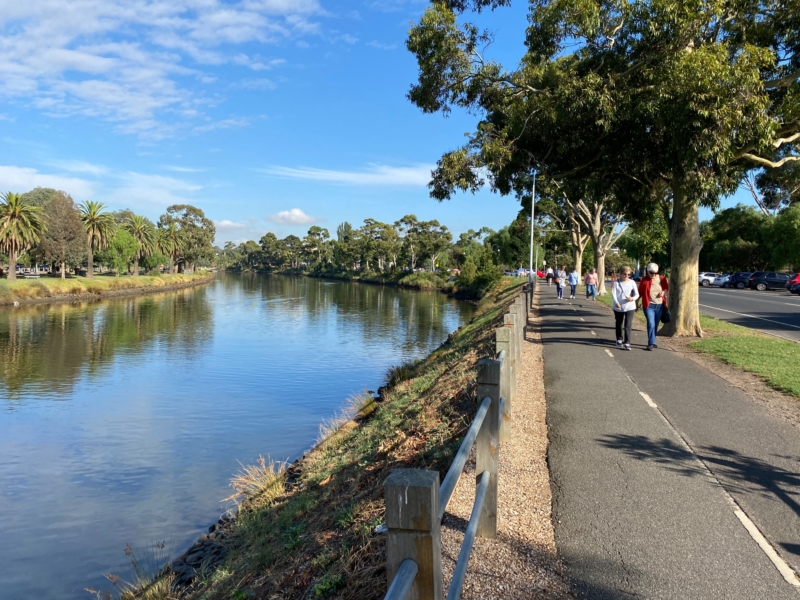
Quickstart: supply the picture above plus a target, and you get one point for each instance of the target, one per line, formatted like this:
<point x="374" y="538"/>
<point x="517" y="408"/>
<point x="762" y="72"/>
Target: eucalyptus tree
<point x="21" y="226"/>
<point x="144" y="232"/>
<point x="64" y="241"/>
<point x="668" y="103"/>
<point x="99" y="227"/>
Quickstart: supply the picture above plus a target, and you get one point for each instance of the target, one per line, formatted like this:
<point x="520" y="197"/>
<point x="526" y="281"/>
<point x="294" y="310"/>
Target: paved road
<point x="775" y="312"/>
<point x="652" y="502"/>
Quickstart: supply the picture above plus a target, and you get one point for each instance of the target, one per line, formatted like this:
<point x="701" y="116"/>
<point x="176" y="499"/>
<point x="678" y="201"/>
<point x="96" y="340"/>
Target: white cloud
<point x="294" y="216"/>
<point x="126" y="61"/>
<point x="24" y="179"/>
<point x="223" y="124"/>
<point x="182" y="169"/>
<point x="257" y="84"/>
<point x="418" y="175"/>
<point x="381" y="46"/>
<point x="79" y="166"/>
<point x="225" y="226"/>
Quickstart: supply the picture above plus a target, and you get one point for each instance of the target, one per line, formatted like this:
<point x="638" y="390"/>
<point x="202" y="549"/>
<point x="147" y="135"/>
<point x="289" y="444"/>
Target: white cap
<point x="652" y="268"/>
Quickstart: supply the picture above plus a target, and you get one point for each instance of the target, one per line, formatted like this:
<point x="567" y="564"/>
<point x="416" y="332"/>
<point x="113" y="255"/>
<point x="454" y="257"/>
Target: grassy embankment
<point x="24" y="290"/>
<point x="773" y="359"/>
<point x="312" y="534"/>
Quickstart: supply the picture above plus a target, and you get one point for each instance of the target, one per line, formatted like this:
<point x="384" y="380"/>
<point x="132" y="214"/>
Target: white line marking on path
<point x="582" y="319"/>
<point x="750" y="316"/>
<point x="783" y="568"/>
<point x="609" y="353"/>
<point x="648" y="399"/>
<point x="593" y="332"/>
<point x="767" y="548"/>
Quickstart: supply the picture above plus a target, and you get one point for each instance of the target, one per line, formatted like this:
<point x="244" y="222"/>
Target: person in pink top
<point x="591" y="284"/>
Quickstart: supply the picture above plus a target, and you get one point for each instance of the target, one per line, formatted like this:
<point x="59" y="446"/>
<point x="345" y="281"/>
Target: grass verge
<point x="53" y="287"/>
<point x="317" y="538"/>
<point x="773" y="359"/>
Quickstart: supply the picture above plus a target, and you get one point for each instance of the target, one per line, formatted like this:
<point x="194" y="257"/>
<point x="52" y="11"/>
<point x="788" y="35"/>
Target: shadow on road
<point x="736" y="471"/>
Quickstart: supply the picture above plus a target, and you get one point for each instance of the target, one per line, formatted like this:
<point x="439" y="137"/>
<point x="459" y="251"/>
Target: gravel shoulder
<point x="522" y="562"/>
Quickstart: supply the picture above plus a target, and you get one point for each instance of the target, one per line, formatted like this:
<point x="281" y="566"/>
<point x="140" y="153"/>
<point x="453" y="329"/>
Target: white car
<point x="721" y="280"/>
<point x="705" y="279"/>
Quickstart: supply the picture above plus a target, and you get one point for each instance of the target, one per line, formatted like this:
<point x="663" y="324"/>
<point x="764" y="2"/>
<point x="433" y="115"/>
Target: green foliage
<point x="784" y="237"/>
<point x="196" y="233"/>
<point x="735" y="240"/>
<point x="120" y="251"/>
<point x="21" y="226"/>
<point x="64" y="240"/>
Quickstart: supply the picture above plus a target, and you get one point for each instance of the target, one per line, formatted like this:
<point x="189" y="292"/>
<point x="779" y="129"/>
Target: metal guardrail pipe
<point x="454" y="473"/>
<point x="454" y="593"/>
<point x="403" y="581"/>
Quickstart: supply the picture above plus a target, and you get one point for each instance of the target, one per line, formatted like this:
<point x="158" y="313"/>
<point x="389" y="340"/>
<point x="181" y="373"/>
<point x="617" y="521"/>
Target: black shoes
<point x="651" y="346"/>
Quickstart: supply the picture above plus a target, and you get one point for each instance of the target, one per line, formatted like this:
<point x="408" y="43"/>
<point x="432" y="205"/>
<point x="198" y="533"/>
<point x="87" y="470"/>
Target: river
<point x="122" y="421"/>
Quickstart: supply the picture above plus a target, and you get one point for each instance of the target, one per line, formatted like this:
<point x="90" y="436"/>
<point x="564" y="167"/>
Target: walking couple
<point x="627" y="298"/>
<point x="563" y="279"/>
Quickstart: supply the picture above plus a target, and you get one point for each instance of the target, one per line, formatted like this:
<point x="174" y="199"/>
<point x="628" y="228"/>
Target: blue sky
<point x="267" y="114"/>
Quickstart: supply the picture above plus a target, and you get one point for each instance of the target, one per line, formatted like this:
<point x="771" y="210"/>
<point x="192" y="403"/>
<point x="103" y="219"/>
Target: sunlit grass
<point x="50" y="287"/>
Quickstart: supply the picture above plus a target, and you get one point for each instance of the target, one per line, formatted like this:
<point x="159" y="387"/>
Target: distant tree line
<point x="407" y="245"/>
<point x="45" y="226"/>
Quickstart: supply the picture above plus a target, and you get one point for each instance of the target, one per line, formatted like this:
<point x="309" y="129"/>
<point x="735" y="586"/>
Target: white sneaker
<point x="619" y="343"/>
<point x="627" y="346"/>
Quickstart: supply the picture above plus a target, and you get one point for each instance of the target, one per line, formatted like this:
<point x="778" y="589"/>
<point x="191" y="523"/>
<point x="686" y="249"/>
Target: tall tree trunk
<point x="12" y="265"/>
<point x="686" y="244"/>
<point x="600" y="267"/>
<point x="90" y="261"/>
<point x="136" y="265"/>
<point x="63" y="271"/>
<point x="577" y="259"/>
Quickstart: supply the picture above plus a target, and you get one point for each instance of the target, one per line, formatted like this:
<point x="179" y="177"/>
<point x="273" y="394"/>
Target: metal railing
<point x="416" y="503"/>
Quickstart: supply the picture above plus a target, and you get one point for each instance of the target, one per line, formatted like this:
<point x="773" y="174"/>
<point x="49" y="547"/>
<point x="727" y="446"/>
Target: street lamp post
<point x="533" y="207"/>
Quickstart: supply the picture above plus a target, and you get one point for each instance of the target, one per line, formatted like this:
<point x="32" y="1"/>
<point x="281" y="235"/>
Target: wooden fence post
<point x="503" y="337"/>
<point x="511" y="321"/>
<point x="487" y="444"/>
<point x="412" y="520"/>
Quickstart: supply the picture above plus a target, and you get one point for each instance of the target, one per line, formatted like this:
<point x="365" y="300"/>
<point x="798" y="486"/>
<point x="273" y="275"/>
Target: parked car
<point x="767" y="280"/>
<point x="721" y="280"/>
<point x="739" y="280"/>
<point x="793" y="280"/>
<point x="795" y="289"/>
<point x="706" y="278"/>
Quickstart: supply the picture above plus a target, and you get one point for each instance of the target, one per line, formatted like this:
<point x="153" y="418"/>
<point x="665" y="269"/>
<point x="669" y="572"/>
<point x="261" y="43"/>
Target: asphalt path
<point x="776" y="312"/>
<point x="668" y="482"/>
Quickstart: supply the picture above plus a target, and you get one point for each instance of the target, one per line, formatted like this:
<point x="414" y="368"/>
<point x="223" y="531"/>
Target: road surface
<point x="775" y="312"/>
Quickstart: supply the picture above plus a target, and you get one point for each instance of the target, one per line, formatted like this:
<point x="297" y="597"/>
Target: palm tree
<point x="144" y="233"/>
<point x="99" y="227"/>
<point x="172" y="244"/>
<point x="21" y="226"/>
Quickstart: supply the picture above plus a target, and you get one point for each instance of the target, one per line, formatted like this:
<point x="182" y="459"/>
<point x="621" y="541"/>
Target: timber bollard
<point x="412" y="520"/>
<point x="508" y="372"/>
<point x="488" y="444"/>
<point x="511" y="321"/>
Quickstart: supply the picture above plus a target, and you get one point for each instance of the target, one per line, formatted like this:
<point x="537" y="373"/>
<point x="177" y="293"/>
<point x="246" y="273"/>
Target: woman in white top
<point x="624" y="294"/>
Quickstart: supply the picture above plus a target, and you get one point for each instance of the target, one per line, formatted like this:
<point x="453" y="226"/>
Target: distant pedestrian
<point x="573" y="279"/>
<point x="591" y="284"/>
<point x="652" y="296"/>
<point x="561" y="281"/>
<point x="550" y="275"/>
<point x="624" y="295"/>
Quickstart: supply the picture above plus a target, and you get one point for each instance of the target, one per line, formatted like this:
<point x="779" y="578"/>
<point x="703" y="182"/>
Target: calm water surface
<point x="122" y="421"/>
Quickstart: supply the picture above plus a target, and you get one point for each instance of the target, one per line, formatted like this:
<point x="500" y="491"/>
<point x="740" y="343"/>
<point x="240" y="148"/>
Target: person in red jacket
<point x="653" y="298"/>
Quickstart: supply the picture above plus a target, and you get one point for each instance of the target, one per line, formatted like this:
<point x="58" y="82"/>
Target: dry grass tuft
<point x="399" y="373"/>
<point x="151" y="581"/>
<point x="261" y="481"/>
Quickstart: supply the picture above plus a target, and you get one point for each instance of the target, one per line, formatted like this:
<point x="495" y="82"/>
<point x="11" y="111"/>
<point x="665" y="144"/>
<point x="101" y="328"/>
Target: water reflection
<point x="47" y="348"/>
<point x="122" y="421"/>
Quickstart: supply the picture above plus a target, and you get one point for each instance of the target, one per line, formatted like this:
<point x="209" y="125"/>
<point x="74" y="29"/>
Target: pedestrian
<point x="561" y="281"/>
<point x="574" y="278"/>
<point x="652" y="296"/>
<point x="624" y="295"/>
<point x="549" y="275"/>
<point x="591" y="284"/>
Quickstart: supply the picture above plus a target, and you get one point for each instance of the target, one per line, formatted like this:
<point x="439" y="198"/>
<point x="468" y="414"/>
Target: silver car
<point x="721" y="280"/>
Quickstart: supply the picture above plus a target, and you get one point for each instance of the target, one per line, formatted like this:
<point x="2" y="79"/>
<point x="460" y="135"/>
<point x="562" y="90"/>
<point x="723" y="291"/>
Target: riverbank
<point x="420" y="280"/>
<point x="54" y="289"/>
<point x="309" y="530"/>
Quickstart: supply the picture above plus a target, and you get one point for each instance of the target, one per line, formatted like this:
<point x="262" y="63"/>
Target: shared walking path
<point x="667" y="481"/>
